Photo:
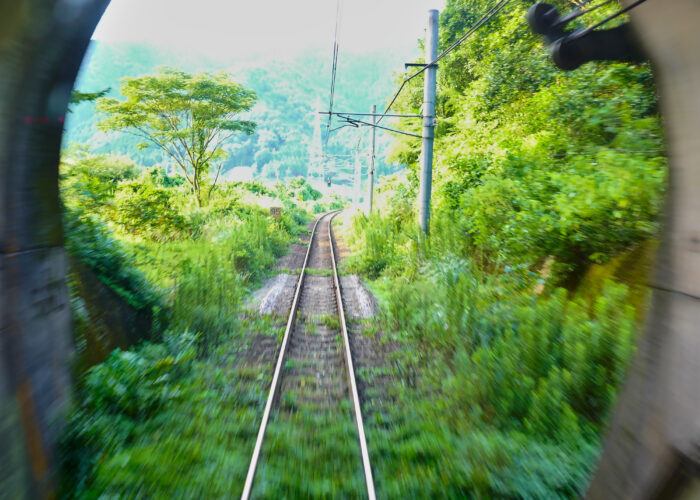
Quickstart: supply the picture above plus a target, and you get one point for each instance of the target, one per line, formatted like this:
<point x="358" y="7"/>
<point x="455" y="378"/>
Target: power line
<point x="355" y="122"/>
<point x="481" y="22"/>
<point x="578" y="13"/>
<point x="359" y="142"/>
<point x="341" y="126"/>
<point x="581" y="33"/>
<point x="334" y="69"/>
<point x="352" y="122"/>
<point x="344" y="113"/>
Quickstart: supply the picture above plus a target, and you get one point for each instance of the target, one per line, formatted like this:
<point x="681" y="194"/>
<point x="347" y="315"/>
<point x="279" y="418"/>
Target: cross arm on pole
<point x="355" y="121"/>
<point x="422" y="65"/>
<point x="383" y="115"/>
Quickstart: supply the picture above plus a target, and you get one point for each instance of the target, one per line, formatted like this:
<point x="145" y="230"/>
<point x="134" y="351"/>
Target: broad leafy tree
<point x="189" y="117"/>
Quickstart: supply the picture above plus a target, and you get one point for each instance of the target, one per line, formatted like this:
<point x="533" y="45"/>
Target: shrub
<point x="116" y="397"/>
<point x="513" y="390"/>
<point x="88" y="240"/>
<point x="147" y="210"/>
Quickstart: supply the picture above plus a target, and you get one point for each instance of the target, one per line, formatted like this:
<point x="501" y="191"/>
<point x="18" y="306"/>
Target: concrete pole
<point x="371" y="158"/>
<point x="426" y="168"/>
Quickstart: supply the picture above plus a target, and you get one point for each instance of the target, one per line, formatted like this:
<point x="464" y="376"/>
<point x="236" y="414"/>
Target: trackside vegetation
<point x="501" y="338"/>
<point x="511" y="324"/>
<point x="162" y="417"/>
<point x="149" y="421"/>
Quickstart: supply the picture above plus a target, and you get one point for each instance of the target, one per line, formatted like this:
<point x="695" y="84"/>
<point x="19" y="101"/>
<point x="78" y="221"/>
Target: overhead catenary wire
<point x="581" y="33"/>
<point x="501" y="4"/>
<point x="355" y="122"/>
<point x="334" y="69"/>
<point x="579" y="12"/>
<point x="359" y="142"/>
<point x="495" y="9"/>
<point x="342" y="126"/>
<point x="343" y="113"/>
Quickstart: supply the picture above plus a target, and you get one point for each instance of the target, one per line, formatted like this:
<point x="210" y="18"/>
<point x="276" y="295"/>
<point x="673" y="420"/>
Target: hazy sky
<point x="240" y="28"/>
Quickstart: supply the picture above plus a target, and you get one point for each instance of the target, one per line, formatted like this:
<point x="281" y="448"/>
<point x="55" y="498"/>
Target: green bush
<point x="88" y="240"/>
<point x="160" y="177"/>
<point x="209" y="276"/>
<point x="297" y="188"/>
<point x="379" y="241"/>
<point x="88" y="181"/>
<point x="115" y="398"/>
<point x="147" y="210"/>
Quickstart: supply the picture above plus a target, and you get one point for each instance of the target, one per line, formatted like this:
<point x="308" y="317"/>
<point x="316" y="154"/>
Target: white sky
<point x="269" y="28"/>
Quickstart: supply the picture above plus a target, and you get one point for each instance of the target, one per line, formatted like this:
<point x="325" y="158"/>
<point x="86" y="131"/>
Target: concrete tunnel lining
<point x="42" y="44"/>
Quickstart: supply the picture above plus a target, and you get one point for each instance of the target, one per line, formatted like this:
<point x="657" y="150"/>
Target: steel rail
<point x="274" y="387"/>
<point x="351" y="371"/>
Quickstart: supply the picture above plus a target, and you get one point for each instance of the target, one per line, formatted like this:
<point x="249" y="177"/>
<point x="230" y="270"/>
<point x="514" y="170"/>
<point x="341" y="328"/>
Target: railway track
<point x="314" y="377"/>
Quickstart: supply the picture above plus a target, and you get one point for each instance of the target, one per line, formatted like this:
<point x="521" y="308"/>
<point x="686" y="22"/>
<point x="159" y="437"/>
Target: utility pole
<point x="426" y="168"/>
<point x="371" y="157"/>
<point x="357" y="181"/>
<point x="316" y="157"/>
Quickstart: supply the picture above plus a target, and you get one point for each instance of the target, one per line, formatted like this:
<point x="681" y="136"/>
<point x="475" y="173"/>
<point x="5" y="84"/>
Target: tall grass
<point x="207" y="277"/>
<point x="158" y="420"/>
<point x="498" y="391"/>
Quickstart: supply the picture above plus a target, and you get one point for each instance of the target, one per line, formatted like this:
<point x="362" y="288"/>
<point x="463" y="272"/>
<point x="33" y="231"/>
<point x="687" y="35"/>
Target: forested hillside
<point x="289" y="91"/>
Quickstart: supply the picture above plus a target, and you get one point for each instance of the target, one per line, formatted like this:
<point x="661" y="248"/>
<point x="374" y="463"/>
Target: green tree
<point x="89" y="181"/>
<point x="189" y="117"/>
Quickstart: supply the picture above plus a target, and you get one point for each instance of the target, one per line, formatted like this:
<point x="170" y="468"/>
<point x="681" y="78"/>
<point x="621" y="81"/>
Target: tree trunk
<point x="196" y="189"/>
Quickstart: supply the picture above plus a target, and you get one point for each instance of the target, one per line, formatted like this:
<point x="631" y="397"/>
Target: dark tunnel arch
<point x="42" y="44"/>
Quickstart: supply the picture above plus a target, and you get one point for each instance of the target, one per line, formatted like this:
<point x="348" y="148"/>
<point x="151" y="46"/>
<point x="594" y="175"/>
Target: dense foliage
<point x="534" y="162"/>
<point x="500" y="391"/>
<point x="138" y="230"/>
<point x="511" y="332"/>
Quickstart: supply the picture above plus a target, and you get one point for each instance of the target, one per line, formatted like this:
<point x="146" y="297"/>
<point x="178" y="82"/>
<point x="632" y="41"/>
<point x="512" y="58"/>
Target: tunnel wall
<point x="653" y="446"/>
<point x="42" y="44"/>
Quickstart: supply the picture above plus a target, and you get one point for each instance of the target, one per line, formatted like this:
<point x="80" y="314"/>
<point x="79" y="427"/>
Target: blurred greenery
<point x="509" y="335"/>
<point x="505" y="335"/>
<point x="141" y="234"/>
<point x="497" y="391"/>
<point x="533" y="162"/>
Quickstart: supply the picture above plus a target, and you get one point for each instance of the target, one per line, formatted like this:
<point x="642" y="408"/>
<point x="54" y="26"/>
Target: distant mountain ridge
<point x="288" y="91"/>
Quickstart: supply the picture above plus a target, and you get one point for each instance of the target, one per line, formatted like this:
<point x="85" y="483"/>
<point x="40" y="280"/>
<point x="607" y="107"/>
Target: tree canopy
<point x="188" y="116"/>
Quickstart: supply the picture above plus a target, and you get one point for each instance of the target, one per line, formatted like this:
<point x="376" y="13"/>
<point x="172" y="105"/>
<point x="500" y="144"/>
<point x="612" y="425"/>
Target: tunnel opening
<point x="40" y="56"/>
